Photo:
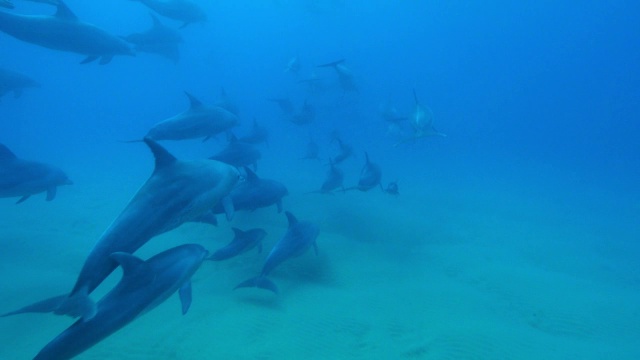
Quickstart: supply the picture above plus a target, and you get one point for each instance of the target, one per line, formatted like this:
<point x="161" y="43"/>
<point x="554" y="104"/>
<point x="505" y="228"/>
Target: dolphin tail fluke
<point x="332" y="64"/>
<point x="260" y="282"/>
<point x="44" y="306"/>
<point x="78" y="305"/>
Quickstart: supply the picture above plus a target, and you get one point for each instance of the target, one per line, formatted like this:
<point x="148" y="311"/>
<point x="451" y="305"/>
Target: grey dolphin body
<point x="177" y="192"/>
<point x="242" y="242"/>
<point x="421" y="120"/>
<point x="6" y="4"/>
<point x="181" y="10"/>
<point x="306" y="114"/>
<point x="345" y="76"/>
<point x="370" y="176"/>
<point x="199" y="121"/>
<point x="65" y="32"/>
<point x="297" y="240"/>
<point x="346" y="151"/>
<point x="252" y="194"/>
<point x="333" y="180"/>
<point x="238" y="153"/>
<point x="159" y="39"/>
<point x="11" y="81"/>
<point x="259" y="134"/>
<point x="24" y="178"/>
<point x="144" y="285"/>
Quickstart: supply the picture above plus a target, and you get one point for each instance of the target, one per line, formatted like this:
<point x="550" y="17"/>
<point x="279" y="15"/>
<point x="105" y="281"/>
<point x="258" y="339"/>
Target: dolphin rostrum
<point x="177" y="192"/>
<point x="296" y="241"/>
<point x="64" y="31"/>
<point x="200" y="121"/>
<point x="24" y="178"/>
<point x="144" y="285"/>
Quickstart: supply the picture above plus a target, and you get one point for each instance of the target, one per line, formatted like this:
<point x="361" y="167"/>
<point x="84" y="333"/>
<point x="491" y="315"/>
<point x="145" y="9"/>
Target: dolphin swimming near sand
<point x="242" y="242"/>
<point x="177" y="192"/>
<point x="64" y="31"/>
<point x="144" y="285"/>
<point x="251" y="194"/>
<point x="421" y="120"/>
<point x="159" y="39"/>
<point x="24" y="178"/>
<point x="11" y="81"/>
<point x="238" y="153"/>
<point x="182" y="10"/>
<point x="299" y="237"/>
<point x="370" y="176"/>
<point x="200" y="121"/>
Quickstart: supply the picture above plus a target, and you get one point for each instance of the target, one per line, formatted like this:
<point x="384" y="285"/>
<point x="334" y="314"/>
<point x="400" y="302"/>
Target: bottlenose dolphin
<point x="333" y="180"/>
<point x="313" y="150"/>
<point x="181" y="10"/>
<point x="14" y="81"/>
<point x="346" y="151"/>
<point x="251" y="194"/>
<point x="421" y="120"/>
<point x="159" y="39"/>
<point x="64" y="31"/>
<point x="144" y="285"/>
<point x="296" y="241"/>
<point x="238" y="153"/>
<point x="199" y="121"/>
<point x="370" y="176"/>
<point x="392" y="188"/>
<point x="306" y="114"/>
<point x="24" y="178"/>
<point x="242" y="242"/>
<point x="225" y="102"/>
<point x="177" y="192"/>
<point x="345" y="76"/>
<point x="259" y="134"/>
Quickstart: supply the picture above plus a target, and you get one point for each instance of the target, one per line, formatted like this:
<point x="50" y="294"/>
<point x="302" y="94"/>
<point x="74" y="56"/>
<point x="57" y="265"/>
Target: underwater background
<point x="516" y="236"/>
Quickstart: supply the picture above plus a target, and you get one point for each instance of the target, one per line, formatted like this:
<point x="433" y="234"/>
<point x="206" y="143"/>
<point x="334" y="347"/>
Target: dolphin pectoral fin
<point x="207" y="218"/>
<point x="44" y="306"/>
<point x="88" y="59"/>
<point x="106" y="59"/>
<point x="77" y="305"/>
<point x="23" y="199"/>
<point x="227" y="204"/>
<point x="259" y="281"/>
<point x="185" y="296"/>
<point x="279" y="204"/>
<point x="51" y="193"/>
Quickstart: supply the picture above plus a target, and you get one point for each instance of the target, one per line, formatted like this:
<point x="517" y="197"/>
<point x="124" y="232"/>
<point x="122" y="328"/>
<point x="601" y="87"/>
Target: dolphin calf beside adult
<point x="64" y="31"/>
<point x="24" y="178"/>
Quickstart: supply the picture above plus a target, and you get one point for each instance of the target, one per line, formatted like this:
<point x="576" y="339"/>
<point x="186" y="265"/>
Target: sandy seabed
<point x="473" y="273"/>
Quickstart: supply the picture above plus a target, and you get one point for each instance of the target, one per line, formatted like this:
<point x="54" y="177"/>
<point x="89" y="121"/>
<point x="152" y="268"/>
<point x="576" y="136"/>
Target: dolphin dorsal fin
<point x="156" y="21"/>
<point x="195" y="103"/>
<point x="237" y="232"/>
<point x="292" y="219"/>
<point x="251" y="176"/>
<point x="6" y="154"/>
<point x="163" y="157"/>
<point x="132" y="266"/>
<point x="64" y="12"/>
<point x="415" y="97"/>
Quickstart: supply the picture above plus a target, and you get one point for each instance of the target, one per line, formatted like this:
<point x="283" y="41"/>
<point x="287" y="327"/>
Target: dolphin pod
<point x="177" y="192"/>
<point x="64" y="31"/>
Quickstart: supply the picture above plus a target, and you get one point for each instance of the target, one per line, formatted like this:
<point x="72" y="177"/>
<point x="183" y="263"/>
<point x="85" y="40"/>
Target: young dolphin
<point x="333" y="180"/>
<point x="296" y="241"/>
<point x="64" y="31"/>
<point x="182" y="10"/>
<point x="144" y="285"/>
<point x="177" y="192"/>
<point x="199" y="121"/>
<point x="11" y="81"/>
<point x="370" y="176"/>
<point x="159" y="39"/>
<point x="242" y="242"/>
<point x="24" y="178"/>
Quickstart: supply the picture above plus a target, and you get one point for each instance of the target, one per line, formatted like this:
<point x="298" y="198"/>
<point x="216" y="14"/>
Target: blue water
<point x="516" y="236"/>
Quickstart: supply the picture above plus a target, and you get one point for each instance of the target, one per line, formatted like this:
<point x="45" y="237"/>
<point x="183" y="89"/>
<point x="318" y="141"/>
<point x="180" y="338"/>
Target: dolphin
<point x="421" y="120"/>
<point x="199" y="121"/>
<point x="392" y="188"/>
<point x="346" y="151"/>
<point x="144" y="285"/>
<point x="225" y="102"/>
<point x="345" y="76"/>
<point x="238" y="153"/>
<point x="242" y="242"/>
<point x="313" y="150"/>
<point x="177" y="192"/>
<point x="251" y="194"/>
<point x="64" y="31"/>
<point x="259" y="134"/>
<point x="370" y="176"/>
<point x="15" y="82"/>
<point x="159" y="39"/>
<point x="182" y="10"/>
<point x="296" y="241"/>
<point x="24" y="178"/>
<point x="333" y="180"/>
<point x="306" y="114"/>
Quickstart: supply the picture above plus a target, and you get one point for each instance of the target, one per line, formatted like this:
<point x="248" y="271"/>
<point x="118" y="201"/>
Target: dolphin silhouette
<point x="64" y="31"/>
<point x="242" y="242"/>
<point x="182" y="10"/>
<point x="11" y="81"/>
